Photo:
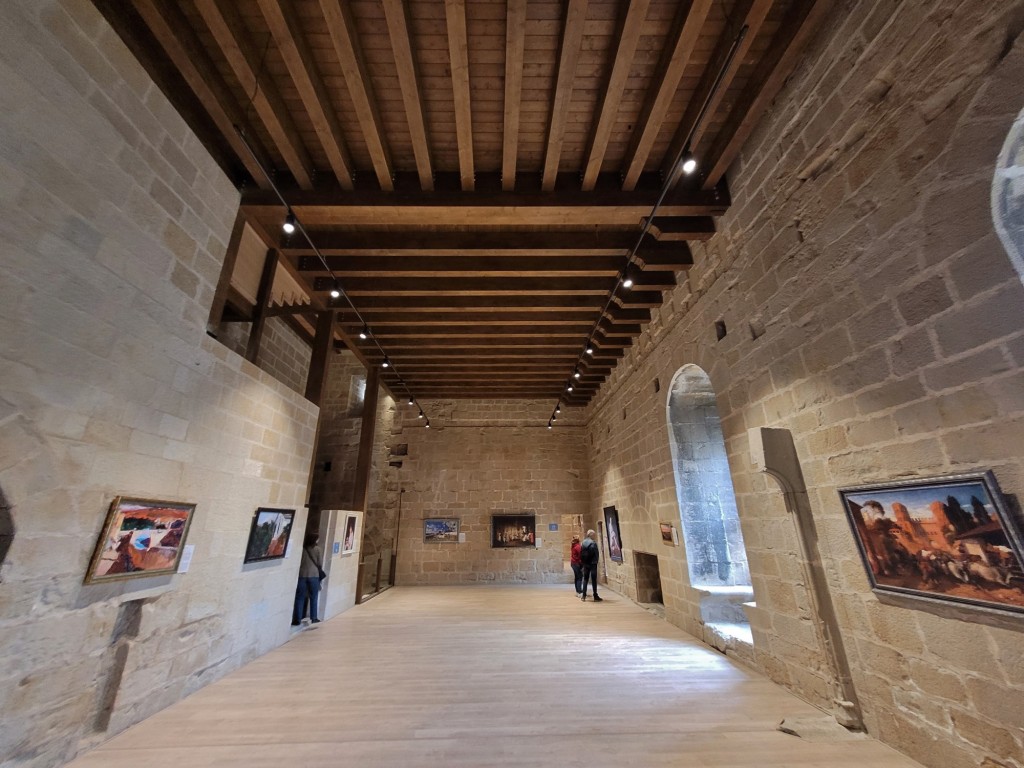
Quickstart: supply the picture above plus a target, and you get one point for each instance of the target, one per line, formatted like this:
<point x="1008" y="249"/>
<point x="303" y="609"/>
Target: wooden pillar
<point x="367" y="432"/>
<point x="220" y="295"/>
<point x="322" y="343"/>
<point x="259" y="312"/>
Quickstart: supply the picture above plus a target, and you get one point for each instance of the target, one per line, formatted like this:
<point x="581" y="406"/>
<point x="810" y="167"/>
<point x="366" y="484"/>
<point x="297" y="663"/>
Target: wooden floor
<point x="487" y="676"/>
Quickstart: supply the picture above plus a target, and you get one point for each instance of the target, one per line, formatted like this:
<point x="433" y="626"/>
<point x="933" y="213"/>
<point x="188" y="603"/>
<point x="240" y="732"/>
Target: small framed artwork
<point x="668" y="534"/>
<point x="140" y="537"/>
<point x="611" y="526"/>
<point x="268" y="536"/>
<point x="945" y="538"/>
<point x="349" y="540"/>
<point x="513" y="531"/>
<point x="441" y="529"/>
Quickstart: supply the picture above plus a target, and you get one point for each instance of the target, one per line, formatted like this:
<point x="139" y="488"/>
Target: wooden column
<point x="259" y="312"/>
<point x="367" y="432"/>
<point x="322" y="343"/>
<point x="220" y="295"/>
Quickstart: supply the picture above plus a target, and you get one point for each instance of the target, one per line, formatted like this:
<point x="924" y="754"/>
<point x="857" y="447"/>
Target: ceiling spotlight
<point x="590" y="349"/>
<point x="365" y="333"/>
<point x="558" y="408"/>
<point x="576" y="373"/>
<point x="386" y="363"/>
<point x="411" y="401"/>
<point x="549" y="425"/>
<point x="289" y="223"/>
<point x="335" y="291"/>
<point x="427" y="425"/>
<point x="569" y="388"/>
<point x="554" y="417"/>
<point x="627" y="278"/>
<point x="689" y="163"/>
<point x="421" y="414"/>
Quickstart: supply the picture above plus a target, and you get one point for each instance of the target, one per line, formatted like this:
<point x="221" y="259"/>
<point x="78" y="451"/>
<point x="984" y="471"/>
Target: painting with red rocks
<point x="141" y="537"/>
<point x="949" y="538"/>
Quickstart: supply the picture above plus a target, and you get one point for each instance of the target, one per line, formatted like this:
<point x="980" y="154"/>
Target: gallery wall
<point x="114" y="229"/>
<point x="480" y="458"/>
<point x="871" y="311"/>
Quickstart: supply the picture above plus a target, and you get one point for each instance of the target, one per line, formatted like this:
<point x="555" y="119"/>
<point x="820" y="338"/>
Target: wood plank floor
<point x="487" y="676"/>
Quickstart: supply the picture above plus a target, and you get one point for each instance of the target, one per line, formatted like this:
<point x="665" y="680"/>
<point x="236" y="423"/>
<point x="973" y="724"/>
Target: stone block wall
<point x="872" y="312"/>
<point x="340" y="426"/>
<point x="283" y="354"/>
<point x="485" y="457"/>
<point x="114" y="229"/>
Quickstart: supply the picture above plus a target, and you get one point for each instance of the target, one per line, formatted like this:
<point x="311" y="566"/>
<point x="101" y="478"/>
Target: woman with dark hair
<point x="311" y="571"/>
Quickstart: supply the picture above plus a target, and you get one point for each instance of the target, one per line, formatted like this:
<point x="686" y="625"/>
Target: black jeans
<point x="308" y="589"/>
<point x="577" y="571"/>
<point x="589" y="574"/>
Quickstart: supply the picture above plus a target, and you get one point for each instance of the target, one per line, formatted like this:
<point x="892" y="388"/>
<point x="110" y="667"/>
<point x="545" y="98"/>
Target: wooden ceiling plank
<point x="281" y="17"/>
<point x="169" y="26"/>
<point x="458" y="51"/>
<point x="800" y="23"/>
<point x="689" y="22"/>
<point x="611" y="94"/>
<point x="224" y="22"/>
<point x="707" y="97"/>
<point x="453" y="267"/>
<point x="572" y="38"/>
<point x="668" y="228"/>
<point x="396" y="15"/>
<point x="456" y="318"/>
<point x="342" y="29"/>
<point x="382" y="285"/>
<point x="515" y="37"/>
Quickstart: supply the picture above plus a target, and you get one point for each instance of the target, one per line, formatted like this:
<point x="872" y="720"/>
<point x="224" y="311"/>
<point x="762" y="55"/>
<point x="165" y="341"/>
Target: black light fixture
<point x="386" y="363"/>
<point x="569" y="388"/>
<point x="558" y="408"/>
<point x="427" y="425"/>
<point x="549" y="423"/>
<point x="590" y="348"/>
<point x="576" y="373"/>
<point x="335" y="290"/>
<point x="688" y="163"/>
<point x="365" y="333"/>
<point x="411" y="401"/>
<point x="421" y="414"/>
<point x="627" y="277"/>
<point x="289" y="223"/>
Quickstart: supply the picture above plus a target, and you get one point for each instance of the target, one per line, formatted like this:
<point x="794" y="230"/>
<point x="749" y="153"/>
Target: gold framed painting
<point x="140" y="537"/>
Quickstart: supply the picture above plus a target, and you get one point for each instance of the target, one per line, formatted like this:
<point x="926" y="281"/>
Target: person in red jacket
<point x="577" y="564"/>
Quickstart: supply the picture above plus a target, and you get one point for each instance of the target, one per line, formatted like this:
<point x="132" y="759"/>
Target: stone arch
<point x="1008" y="195"/>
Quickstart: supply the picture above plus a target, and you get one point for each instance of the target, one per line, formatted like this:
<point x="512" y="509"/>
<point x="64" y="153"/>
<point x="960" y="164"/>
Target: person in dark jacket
<point x="589" y="555"/>
<point x="576" y="563"/>
<point x="310" y="568"/>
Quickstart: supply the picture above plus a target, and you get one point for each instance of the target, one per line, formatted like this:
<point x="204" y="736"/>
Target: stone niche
<point x="648" y="578"/>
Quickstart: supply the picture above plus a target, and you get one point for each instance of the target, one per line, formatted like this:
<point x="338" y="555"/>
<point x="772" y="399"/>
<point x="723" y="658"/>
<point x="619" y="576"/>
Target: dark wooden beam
<point x="458" y="51"/>
<point x="322" y="344"/>
<point x="283" y="20"/>
<point x="259" y="312"/>
<point x="515" y="37"/>
<point x="800" y="23"/>
<point x="452" y="268"/>
<point x="628" y="34"/>
<point x="385" y="285"/>
<point x="227" y="270"/>
<point x="342" y="29"/>
<point x="367" y="432"/>
<point x="396" y="14"/>
<point x="572" y="37"/>
<point x="688" y="24"/>
<point x="228" y="29"/>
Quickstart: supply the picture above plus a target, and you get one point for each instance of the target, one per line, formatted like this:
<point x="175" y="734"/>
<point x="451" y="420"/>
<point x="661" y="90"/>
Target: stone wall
<point x="283" y="353"/>
<point x="485" y="457"/>
<point x="871" y="311"/>
<point x="114" y="229"/>
<point x="338" y="442"/>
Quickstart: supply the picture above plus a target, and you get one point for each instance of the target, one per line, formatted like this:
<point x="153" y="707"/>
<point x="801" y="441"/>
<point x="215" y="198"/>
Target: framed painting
<point x="611" y="527"/>
<point x="945" y="538"/>
<point x="349" y="541"/>
<point x="668" y="534"/>
<point x="140" y="537"/>
<point x="441" y="529"/>
<point x="509" y="531"/>
<point x="268" y="536"/>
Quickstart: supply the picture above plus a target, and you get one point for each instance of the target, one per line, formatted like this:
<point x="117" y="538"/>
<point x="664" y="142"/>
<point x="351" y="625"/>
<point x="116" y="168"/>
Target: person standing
<point x="576" y="563"/>
<point x="589" y="555"/>
<point x="311" y="571"/>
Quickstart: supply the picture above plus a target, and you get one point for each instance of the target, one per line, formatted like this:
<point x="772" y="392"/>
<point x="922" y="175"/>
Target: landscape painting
<point x="441" y="529"/>
<point x="949" y="538"/>
<point x="668" y="534"/>
<point x="513" y="531"/>
<point x="140" y="537"/>
<point x="268" y="537"/>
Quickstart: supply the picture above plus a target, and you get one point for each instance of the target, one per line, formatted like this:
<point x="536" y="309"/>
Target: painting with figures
<point x="948" y="538"/>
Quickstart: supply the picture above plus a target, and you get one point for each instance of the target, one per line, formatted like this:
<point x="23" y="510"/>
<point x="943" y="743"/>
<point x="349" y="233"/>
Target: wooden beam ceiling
<point x="473" y="174"/>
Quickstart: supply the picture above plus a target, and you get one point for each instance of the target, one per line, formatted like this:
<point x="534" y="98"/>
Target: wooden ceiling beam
<point x="468" y="331"/>
<point x="459" y="267"/>
<point x="457" y="318"/>
<point x="458" y="51"/>
<point x="515" y="38"/>
<point x="341" y="26"/>
<point x="382" y="285"/>
<point x="800" y="23"/>
<point x="495" y="366"/>
<point x="689" y="22"/>
<point x="228" y="29"/>
<point x="396" y="15"/>
<point x="714" y="83"/>
<point x="397" y="354"/>
<point x="572" y="38"/>
<point x="283" y="21"/>
<point x="629" y="32"/>
<point x="168" y="24"/>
